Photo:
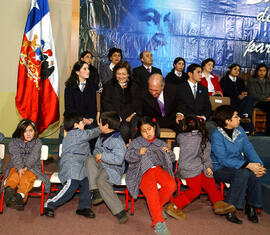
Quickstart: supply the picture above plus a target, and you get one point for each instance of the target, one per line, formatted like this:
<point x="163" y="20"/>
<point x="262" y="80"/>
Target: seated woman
<point x="118" y="95"/>
<point x="177" y="75"/>
<point x="259" y="89"/>
<point x="234" y="87"/>
<point x="80" y="94"/>
<point x="236" y="162"/>
<point x="106" y="70"/>
<point x="87" y="57"/>
<point x="210" y="80"/>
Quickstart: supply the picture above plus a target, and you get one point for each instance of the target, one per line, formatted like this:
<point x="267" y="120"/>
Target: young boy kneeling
<point x="107" y="166"/>
<point x="72" y="173"/>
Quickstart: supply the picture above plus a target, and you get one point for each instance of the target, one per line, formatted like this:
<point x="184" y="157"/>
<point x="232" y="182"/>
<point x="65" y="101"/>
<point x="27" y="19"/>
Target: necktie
<point x="82" y="86"/>
<point x="179" y="74"/>
<point x="194" y="91"/>
<point x="161" y="107"/>
<point x="149" y="70"/>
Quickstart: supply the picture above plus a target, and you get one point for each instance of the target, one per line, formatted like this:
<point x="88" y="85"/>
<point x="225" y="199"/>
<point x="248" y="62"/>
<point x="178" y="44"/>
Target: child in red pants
<point x="196" y="167"/>
<point x="150" y="163"/>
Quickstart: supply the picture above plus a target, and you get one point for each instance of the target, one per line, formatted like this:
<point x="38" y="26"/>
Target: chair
<point x="37" y="184"/>
<point x="217" y="101"/>
<point x="169" y="135"/>
<point x="176" y="152"/>
<point x="259" y="120"/>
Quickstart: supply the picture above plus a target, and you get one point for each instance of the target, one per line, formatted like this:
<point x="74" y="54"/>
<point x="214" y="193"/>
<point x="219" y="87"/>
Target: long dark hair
<point x="192" y="123"/>
<point x="73" y="79"/>
<point x="262" y="65"/>
<point x="22" y="125"/>
<point x="147" y="120"/>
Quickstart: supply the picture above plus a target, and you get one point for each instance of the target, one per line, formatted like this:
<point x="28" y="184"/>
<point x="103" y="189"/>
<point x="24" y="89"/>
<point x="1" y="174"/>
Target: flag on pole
<point x="37" y="85"/>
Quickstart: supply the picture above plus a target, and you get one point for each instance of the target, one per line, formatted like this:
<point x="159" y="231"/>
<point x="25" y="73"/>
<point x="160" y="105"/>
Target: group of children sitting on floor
<point x="150" y="162"/>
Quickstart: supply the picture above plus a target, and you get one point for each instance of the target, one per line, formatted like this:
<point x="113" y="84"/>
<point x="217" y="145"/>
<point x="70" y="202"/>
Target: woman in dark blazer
<point x="259" y="89"/>
<point x="118" y="96"/>
<point x="177" y="74"/>
<point x="80" y="93"/>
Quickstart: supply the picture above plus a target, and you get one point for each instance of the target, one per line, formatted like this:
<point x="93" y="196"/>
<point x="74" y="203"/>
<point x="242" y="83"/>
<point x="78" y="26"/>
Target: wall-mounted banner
<point x="228" y="31"/>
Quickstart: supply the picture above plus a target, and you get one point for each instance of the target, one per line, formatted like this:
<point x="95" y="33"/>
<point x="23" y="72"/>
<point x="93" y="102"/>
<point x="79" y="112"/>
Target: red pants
<point x="194" y="190"/>
<point x="24" y="184"/>
<point x="157" y="198"/>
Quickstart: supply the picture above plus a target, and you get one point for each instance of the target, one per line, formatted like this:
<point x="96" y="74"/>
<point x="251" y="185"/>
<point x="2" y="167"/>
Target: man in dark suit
<point x="195" y="96"/>
<point x="162" y="102"/>
<point x="142" y="73"/>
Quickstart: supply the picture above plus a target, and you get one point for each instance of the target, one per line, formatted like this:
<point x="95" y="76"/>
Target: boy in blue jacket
<point x="107" y="166"/>
<point x="72" y="173"/>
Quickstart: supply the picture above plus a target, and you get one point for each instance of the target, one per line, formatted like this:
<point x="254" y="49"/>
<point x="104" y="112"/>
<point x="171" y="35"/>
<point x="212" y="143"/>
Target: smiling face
<point x="84" y="72"/>
<point x="147" y="131"/>
<point x="122" y="75"/>
<point x="29" y="133"/>
<point x="208" y="67"/>
<point x="235" y="71"/>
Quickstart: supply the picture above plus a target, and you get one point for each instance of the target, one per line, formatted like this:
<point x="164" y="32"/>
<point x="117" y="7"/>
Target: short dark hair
<point x="223" y="113"/>
<point x="192" y="67"/>
<point x="71" y="119"/>
<point x="122" y="64"/>
<point x="141" y="54"/>
<point x="147" y="120"/>
<point x="112" y="51"/>
<point x="21" y="127"/>
<point x="112" y="119"/>
<point x="84" y="53"/>
<point x="207" y="61"/>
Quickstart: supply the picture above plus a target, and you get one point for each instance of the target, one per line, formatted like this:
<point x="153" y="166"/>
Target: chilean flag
<point x="37" y="85"/>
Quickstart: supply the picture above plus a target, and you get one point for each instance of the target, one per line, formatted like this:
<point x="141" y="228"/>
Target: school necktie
<point x="194" y="91"/>
<point x="149" y="70"/>
<point x="82" y="86"/>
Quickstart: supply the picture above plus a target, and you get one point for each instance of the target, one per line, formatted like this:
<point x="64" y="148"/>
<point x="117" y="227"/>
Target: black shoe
<point x="8" y="194"/>
<point x="232" y="218"/>
<point x="49" y="212"/>
<point x="251" y="214"/>
<point x="86" y="212"/>
<point x="17" y="202"/>
<point x="97" y="199"/>
<point x="122" y="217"/>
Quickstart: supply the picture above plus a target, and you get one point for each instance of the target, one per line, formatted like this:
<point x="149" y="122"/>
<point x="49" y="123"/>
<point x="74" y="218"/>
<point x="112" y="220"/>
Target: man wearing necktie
<point x="161" y="101"/>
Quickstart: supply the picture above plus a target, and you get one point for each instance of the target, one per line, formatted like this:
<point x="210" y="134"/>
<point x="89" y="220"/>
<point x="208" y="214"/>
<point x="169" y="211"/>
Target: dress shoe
<point x="251" y="214"/>
<point x="86" y="212"/>
<point x="49" y="212"/>
<point x="8" y="194"/>
<point x="17" y="202"/>
<point x="232" y="218"/>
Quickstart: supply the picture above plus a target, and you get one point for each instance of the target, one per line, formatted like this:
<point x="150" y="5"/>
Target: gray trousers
<point x="99" y="179"/>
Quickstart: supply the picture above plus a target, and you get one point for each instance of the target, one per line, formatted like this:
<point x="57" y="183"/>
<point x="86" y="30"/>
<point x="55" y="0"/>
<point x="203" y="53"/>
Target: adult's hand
<point x="256" y="168"/>
<point x="179" y="117"/>
<point x="88" y="121"/>
<point x="129" y="118"/>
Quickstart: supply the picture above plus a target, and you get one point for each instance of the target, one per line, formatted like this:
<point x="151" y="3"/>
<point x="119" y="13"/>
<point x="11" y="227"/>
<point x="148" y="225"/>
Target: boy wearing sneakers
<point x="72" y="173"/>
<point x="107" y="166"/>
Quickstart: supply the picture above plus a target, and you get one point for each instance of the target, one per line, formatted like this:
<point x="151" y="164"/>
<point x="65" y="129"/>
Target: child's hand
<point x="98" y="157"/>
<point x="209" y="171"/>
<point x="166" y="149"/>
<point x="21" y="172"/>
<point x="143" y="151"/>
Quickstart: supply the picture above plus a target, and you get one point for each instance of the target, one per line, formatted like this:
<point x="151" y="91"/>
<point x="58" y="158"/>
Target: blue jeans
<point x="243" y="182"/>
<point x="68" y="191"/>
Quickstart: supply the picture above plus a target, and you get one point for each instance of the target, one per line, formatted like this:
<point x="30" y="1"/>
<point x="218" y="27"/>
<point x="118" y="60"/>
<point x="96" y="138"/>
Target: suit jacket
<point x="106" y="73"/>
<point x="147" y="105"/>
<point x="174" y="79"/>
<point x="199" y="106"/>
<point x="141" y="75"/>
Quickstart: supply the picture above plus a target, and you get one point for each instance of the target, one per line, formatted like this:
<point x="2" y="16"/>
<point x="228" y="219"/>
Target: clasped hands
<point x="144" y="150"/>
<point x="257" y="169"/>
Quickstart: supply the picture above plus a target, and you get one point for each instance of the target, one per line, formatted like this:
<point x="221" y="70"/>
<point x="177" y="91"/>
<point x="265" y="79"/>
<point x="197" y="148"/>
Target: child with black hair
<point x="150" y="162"/>
<point x="195" y="166"/>
<point x="24" y="166"/>
<point x="72" y="173"/>
<point x="107" y="166"/>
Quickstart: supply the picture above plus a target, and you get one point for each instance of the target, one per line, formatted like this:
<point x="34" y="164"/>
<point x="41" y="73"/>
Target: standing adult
<point x="234" y="87"/>
<point x="236" y="162"/>
<point x="106" y="70"/>
<point x="143" y="72"/>
<point x="259" y="89"/>
<point x="119" y="95"/>
<point x="210" y="80"/>
<point x="87" y="57"/>
<point x="80" y="94"/>
<point x="161" y="101"/>
<point x="177" y="74"/>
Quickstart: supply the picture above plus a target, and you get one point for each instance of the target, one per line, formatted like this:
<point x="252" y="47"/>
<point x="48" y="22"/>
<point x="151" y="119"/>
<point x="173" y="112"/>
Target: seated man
<point x="162" y="102"/>
<point x="195" y="96"/>
<point x="142" y="73"/>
